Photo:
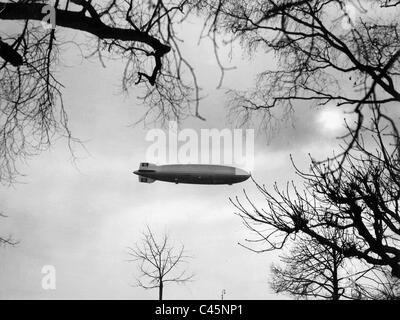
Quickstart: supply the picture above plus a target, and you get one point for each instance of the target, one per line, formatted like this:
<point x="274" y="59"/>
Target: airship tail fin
<point x="147" y="166"/>
<point x="146" y="180"/>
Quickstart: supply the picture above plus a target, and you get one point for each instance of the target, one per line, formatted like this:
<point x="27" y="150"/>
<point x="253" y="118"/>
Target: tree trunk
<point x="160" y="291"/>
<point x="335" y="280"/>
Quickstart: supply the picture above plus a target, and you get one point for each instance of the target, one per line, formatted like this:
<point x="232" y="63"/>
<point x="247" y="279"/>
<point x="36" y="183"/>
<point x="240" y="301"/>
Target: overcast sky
<point x="81" y="217"/>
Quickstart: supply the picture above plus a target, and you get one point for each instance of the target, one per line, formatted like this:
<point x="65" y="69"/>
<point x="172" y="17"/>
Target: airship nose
<point x="241" y="172"/>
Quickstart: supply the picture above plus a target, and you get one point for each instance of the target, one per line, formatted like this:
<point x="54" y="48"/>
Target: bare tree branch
<point x="141" y="34"/>
<point x="361" y="199"/>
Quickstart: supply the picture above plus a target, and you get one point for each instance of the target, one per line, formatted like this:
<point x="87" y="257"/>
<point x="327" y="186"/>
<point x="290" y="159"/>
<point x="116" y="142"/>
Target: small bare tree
<point x="379" y="284"/>
<point x="310" y="269"/>
<point x="159" y="262"/>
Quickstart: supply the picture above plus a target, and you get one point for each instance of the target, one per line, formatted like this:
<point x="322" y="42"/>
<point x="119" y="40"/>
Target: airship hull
<point x="191" y="174"/>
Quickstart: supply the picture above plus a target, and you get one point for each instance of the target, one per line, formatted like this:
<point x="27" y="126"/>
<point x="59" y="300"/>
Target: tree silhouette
<point x="159" y="262"/>
<point x="313" y="270"/>
<point x="310" y="269"/>
<point x="359" y="196"/>
<point x="327" y="54"/>
<point x="379" y="285"/>
<point x="139" y="33"/>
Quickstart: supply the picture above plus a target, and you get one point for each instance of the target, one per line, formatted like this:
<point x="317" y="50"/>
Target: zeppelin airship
<point x="191" y="173"/>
